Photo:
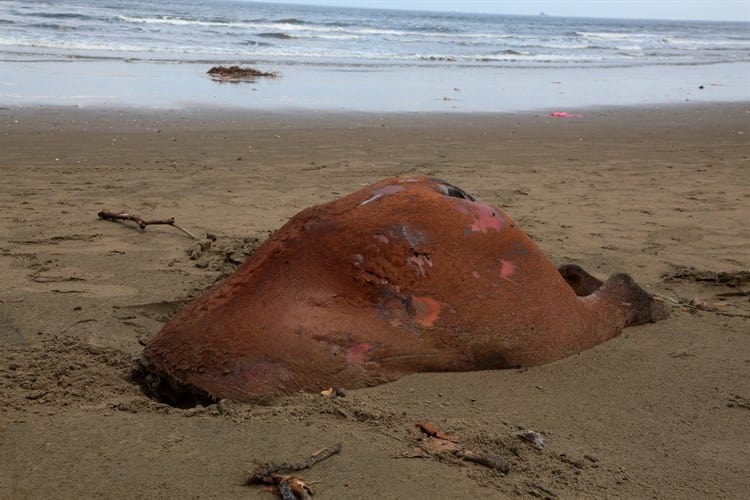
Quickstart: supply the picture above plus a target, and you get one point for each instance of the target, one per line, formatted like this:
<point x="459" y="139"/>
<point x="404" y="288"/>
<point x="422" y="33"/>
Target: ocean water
<point x="251" y="32"/>
<point x="155" y="54"/>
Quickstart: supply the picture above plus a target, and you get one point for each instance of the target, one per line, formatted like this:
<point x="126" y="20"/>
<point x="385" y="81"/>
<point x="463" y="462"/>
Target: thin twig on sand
<point x="699" y="305"/>
<point x="114" y="216"/>
<point x="290" y="487"/>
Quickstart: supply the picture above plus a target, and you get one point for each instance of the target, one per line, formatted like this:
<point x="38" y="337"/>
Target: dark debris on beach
<point x="238" y="73"/>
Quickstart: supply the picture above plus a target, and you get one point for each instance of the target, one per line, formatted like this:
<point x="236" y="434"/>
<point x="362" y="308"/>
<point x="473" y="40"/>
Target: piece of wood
<point x="290" y="487"/>
<point x="486" y="459"/>
<point x="266" y="470"/>
<point x="115" y="216"/>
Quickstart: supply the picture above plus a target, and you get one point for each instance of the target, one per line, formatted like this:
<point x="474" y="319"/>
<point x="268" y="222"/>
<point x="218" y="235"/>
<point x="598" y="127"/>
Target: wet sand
<point x="421" y="88"/>
<point x="660" y="411"/>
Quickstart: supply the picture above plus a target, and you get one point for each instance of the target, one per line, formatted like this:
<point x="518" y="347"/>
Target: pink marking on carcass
<point x="381" y="238"/>
<point x="355" y="355"/>
<point x="486" y="217"/>
<point x="475" y="274"/>
<point x="507" y="268"/>
<point x="426" y="310"/>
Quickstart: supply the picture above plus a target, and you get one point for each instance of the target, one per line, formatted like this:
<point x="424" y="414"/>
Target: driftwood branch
<point x="290" y="487"/>
<point x="268" y="469"/>
<point x="115" y="216"/>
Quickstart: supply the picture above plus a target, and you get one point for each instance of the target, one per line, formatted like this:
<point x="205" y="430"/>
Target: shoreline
<point x="661" y="193"/>
<point x="218" y="116"/>
<point x="373" y="89"/>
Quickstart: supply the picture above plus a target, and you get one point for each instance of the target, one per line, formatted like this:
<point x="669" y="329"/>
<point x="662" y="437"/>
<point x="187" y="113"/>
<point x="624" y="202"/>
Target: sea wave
<point x="605" y="35"/>
<point x="55" y="26"/>
<point x="709" y="43"/>
<point x="81" y="45"/>
<point x="283" y="26"/>
<point x="107" y="51"/>
<point x="278" y="36"/>
<point x="178" y="21"/>
<point x="291" y="20"/>
<point x="341" y="30"/>
<point x="64" y="15"/>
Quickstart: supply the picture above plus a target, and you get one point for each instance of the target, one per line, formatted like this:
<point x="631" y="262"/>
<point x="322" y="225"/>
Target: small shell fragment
<point x="532" y="437"/>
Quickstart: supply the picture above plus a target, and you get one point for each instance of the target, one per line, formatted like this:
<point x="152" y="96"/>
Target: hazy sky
<point x="727" y="10"/>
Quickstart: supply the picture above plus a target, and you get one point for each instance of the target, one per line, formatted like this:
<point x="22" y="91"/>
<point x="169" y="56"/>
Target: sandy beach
<point x="661" y="411"/>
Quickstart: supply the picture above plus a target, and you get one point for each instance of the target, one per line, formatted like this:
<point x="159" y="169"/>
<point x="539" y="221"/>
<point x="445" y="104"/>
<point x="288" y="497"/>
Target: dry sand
<point x="661" y="411"/>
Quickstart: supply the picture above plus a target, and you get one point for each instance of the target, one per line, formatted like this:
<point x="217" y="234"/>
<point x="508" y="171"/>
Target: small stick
<point x="486" y="459"/>
<point x="681" y="303"/>
<point x="108" y="215"/>
<point x="432" y="431"/>
<point x="266" y="470"/>
<point x="87" y="320"/>
<point x="10" y="301"/>
<point x="541" y="488"/>
<point x="429" y="429"/>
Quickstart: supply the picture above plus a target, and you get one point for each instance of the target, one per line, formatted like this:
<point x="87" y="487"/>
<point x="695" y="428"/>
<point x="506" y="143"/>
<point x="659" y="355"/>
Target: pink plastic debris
<point x="565" y="114"/>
